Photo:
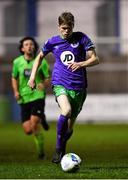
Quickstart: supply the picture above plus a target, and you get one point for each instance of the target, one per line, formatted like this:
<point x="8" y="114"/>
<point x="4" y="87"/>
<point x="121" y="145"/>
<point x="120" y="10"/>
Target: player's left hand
<point x="74" y="66"/>
<point x="40" y="86"/>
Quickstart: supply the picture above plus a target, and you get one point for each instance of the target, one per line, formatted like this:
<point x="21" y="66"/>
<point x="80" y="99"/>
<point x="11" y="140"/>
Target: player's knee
<point x="66" y="111"/>
<point x="28" y="131"/>
<point x="27" y="127"/>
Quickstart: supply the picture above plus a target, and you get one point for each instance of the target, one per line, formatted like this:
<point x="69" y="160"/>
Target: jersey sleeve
<point x="15" y="72"/>
<point x="45" y="69"/>
<point x="47" y="47"/>
<point x="87" y="43"/>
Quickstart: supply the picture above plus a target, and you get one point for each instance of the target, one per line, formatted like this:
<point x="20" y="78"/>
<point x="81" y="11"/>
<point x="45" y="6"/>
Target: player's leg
<point x="31" y="125"/>
<point x="44" y="122"/>
<point x="25" y="115"/>
<point x="27" y="127"/>
<point x="76" y="100"/>
<point x="37" y="111"/>
<point x="38" y="135"/>
<point x="62" y="124"/>
<point x="68" y="134"/>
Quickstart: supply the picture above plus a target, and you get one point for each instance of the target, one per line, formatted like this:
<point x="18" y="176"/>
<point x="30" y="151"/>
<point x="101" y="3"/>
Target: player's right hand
<point x="17" y="95"/>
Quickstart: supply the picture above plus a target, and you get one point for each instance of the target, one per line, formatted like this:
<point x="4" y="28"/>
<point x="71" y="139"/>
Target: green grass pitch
<point x="102" y="148"/>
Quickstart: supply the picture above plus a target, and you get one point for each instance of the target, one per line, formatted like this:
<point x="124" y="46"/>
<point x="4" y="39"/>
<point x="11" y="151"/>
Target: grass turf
<point x="102" y="148"/>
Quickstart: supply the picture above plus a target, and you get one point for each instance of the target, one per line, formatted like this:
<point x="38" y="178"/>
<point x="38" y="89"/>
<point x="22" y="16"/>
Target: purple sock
<point x="67" y="136"/>
<point x="62" y="126"/>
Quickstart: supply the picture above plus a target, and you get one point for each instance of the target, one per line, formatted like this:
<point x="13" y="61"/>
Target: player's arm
<point x="44" y="85"/>
<point x="92" y="60"/>
<point x="15" y="88"/>
<point x="46" y="80"/>
<point x="36" y="64"/>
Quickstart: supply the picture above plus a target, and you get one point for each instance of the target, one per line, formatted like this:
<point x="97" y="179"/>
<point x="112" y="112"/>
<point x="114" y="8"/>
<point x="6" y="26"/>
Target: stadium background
<point x="105" y="21"/>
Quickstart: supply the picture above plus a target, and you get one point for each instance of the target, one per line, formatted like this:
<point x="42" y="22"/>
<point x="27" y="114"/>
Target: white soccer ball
<point x="70" y="162"/>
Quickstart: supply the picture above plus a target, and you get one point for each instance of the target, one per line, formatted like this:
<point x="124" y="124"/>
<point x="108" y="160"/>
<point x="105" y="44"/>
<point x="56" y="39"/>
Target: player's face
<point x="65" y="30"/>
<point x="28" y="47"/>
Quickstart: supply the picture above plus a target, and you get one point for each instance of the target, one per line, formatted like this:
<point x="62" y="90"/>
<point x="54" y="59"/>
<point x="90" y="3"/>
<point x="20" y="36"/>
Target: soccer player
<point x="32" y="101"/>
<point x="74" y="52"/>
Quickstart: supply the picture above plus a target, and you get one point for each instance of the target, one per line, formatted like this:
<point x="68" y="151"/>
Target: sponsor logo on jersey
<point x="27" y="72"/>
<point x="67" y="57"/>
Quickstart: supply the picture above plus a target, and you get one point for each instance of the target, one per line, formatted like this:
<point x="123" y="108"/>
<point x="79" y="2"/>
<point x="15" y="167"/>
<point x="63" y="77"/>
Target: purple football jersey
<point x="68" y="51"/>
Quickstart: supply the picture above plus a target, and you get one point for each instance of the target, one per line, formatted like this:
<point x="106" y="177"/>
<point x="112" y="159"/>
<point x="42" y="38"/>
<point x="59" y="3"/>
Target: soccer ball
<point x="70" y="162"/>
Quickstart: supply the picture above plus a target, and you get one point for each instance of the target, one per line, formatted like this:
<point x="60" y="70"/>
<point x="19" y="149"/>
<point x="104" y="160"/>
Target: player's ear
<point x="58" y="26"/>
<point x="22" y="49"/>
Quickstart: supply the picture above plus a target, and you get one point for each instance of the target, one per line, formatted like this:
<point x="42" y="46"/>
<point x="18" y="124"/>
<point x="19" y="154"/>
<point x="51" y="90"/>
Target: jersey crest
<point x="75" y="45"/>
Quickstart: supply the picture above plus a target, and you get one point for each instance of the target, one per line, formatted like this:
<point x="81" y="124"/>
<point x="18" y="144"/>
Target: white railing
<point x="97" y="40"/>
<point x="97" y="108"/>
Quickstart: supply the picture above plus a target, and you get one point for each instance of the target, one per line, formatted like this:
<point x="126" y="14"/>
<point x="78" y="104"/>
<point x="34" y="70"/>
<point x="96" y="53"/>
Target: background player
<point x="32" y="102"/>
<point x="73" y="51"/>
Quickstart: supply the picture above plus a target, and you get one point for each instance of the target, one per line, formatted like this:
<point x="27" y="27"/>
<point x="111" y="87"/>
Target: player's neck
<point x="65" y="38"/>
<point x="28" y="57"/>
